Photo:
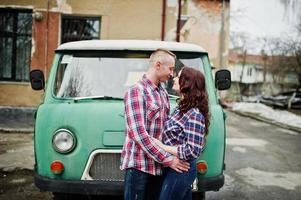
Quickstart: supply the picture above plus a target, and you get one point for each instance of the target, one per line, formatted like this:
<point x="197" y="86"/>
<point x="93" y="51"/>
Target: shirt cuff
<point x="168" y="160"/>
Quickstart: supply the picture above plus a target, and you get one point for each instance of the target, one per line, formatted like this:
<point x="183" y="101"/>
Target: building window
<point x="15" y="44"/>
<point x="75" y="28"/>
<point x="249" y="71"/>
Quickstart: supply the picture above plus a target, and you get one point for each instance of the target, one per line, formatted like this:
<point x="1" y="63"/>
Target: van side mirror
<point x="37" y="80"/>
<point x="223" y="79"/>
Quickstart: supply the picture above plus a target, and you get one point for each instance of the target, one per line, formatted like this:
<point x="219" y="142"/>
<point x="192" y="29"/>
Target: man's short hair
<point x="161" y="52"/>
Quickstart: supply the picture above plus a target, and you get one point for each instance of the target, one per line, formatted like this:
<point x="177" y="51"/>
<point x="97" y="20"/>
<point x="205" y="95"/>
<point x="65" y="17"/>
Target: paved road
<point x="263" y="162"/>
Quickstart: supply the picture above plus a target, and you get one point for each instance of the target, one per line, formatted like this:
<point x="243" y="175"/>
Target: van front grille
<point x="105" y="167"/>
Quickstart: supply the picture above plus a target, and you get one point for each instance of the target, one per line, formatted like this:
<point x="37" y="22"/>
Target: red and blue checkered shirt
<point x="146" y="110"/>
<point x="186" y="132"/>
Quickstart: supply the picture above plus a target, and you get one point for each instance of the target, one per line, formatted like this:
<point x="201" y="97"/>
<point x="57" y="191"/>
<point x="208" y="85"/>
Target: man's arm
<point x="177" y="164"/>
<point x="170" y="149"/>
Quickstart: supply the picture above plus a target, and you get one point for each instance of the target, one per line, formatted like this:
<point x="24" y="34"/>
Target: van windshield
<point x="100" y="74"/>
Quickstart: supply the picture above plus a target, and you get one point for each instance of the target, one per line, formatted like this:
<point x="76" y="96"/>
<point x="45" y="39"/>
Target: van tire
<point x="59" y="196"/>
<point x="64" y="196"/>
<point x="198" y="196"/>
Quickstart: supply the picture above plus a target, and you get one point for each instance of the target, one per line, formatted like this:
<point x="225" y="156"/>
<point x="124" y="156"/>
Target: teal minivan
<point x="80" y="125"/>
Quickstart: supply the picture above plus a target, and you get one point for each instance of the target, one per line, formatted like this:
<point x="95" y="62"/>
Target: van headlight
<point x="63" y="141"/>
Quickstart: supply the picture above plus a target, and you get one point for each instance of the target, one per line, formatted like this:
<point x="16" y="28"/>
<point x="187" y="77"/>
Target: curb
<point x="16" y="130"/>
<point x="269" y="121"/>
<point x="17" y="119"/>
<point x="13" y="169"/>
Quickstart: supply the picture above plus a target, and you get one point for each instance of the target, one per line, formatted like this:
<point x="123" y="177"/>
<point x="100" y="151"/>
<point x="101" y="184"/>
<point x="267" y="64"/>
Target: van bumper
<point x="94" y="187"/>
<point x="211" y="184"/>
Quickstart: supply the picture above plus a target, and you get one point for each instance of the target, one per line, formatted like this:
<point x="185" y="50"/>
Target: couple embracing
<point x="160" y="151"/>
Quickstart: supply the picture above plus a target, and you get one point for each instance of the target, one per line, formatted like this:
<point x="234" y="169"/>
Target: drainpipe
<point x="46" y="40"/>
<point x="222" y="36"/>
<point x="179" y="21"/>
<point x="163" y="20"/>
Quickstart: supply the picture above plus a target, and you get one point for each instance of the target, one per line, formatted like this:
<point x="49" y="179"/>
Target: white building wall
<point x="251" y="74"/>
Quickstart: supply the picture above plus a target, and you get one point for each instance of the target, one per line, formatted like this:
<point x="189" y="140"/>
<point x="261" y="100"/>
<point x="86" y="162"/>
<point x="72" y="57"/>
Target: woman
<point x="184" y="133"/>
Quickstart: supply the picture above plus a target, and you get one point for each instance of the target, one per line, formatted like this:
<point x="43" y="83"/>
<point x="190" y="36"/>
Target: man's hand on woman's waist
<point x="179" y="165"/>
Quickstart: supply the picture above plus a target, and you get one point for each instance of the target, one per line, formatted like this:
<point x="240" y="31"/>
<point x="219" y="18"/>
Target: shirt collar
<point x="150" y="83"/>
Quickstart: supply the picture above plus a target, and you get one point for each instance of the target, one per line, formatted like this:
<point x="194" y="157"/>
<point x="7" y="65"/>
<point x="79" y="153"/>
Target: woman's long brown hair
<point x="194" y="94"/>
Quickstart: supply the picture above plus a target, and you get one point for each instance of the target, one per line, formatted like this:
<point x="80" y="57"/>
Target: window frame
<point x="79" y="17"/>
<point x="14" y="36"/>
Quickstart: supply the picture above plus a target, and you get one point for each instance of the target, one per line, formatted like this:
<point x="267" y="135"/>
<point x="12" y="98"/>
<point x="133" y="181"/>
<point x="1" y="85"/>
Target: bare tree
<point x="77" y="85"/>
<point x="271" y="49"/>
<point x="285" y="56"/>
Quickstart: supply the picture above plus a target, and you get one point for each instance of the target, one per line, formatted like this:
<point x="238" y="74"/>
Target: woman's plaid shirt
<point x="186" y="132"/>
<point x="146" y="110"/>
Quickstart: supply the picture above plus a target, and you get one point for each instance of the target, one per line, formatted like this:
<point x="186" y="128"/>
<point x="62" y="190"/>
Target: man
<point x="146" y="110"/>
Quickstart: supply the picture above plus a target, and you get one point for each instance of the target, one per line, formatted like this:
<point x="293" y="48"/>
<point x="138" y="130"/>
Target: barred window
<point x="75" y="28"/>
<point x="15" y="44"/>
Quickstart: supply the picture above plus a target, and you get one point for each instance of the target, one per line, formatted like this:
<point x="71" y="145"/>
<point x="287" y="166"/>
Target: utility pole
<point x="222" y="36"/>
<point x="244" y="61"/>
<point x="163" y="20"/>
<point x="179" y="21"/>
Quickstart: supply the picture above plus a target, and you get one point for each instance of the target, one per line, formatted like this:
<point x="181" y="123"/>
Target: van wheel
<point x="198" y="196"/>
<point x="64" y="196"/>
<point x="59" y="196"/>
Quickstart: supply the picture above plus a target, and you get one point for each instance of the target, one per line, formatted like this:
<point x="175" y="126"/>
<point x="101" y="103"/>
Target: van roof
<point x="146" y="45"/>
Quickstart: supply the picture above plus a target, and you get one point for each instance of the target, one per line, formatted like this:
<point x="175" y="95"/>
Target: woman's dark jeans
<point x="141" y="186"/>
<point x="177" y="186"/>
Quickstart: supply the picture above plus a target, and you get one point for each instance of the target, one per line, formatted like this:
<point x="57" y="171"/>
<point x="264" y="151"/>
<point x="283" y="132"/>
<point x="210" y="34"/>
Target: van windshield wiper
<point x="97" y="98"/>
<point x="173" y="96"/>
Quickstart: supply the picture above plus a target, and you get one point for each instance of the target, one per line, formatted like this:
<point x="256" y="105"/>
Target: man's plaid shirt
<point x="146" y="110"/>
<point x="187" y="132"/>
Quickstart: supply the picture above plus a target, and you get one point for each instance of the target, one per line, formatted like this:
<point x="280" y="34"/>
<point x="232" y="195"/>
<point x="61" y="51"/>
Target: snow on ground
<point x="262" y="110"/>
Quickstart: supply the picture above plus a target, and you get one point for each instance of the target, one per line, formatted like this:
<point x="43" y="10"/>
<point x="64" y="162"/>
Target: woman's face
<point x="176" y="85"/>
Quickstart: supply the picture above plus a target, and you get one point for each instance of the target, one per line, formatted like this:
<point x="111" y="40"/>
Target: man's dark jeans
<point x="141" y="186"/>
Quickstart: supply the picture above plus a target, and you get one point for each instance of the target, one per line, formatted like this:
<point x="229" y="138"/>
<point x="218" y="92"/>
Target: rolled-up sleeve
<point x="194" y="133"/>
<point x="135" y="112"/>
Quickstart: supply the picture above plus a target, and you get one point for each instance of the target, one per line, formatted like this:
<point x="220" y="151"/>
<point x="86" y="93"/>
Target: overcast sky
<point x="264" y="18"/>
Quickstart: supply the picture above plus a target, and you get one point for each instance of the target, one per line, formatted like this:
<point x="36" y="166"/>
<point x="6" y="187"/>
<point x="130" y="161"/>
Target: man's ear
<point x="157" y="64"/>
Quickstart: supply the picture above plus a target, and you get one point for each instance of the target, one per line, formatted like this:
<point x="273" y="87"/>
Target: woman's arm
<point x="195" y="136"/>
<point x="170" y="149"/>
